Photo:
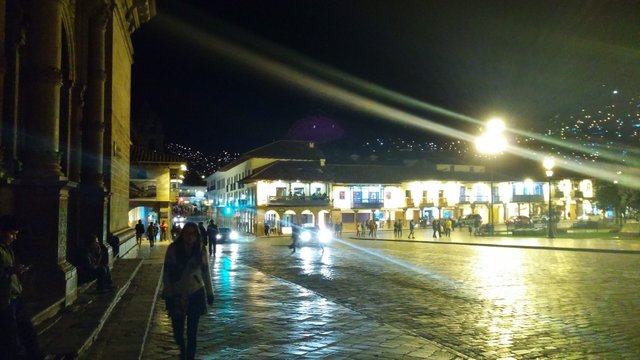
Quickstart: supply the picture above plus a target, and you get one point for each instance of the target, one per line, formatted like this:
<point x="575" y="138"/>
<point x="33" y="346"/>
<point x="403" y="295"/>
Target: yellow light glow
<point x="495" y="125"/>
<point x="549" y="163"/>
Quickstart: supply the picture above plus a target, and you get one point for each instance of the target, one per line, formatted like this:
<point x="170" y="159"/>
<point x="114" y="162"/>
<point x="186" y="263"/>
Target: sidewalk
<point x="460" y="237"/>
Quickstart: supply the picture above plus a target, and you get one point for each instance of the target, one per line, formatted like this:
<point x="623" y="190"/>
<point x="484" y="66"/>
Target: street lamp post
<point x="548" y="164"/>
<point x="492" y="142"/>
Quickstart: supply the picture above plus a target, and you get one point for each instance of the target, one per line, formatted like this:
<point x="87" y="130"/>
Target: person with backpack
<point x="152" y="231"/>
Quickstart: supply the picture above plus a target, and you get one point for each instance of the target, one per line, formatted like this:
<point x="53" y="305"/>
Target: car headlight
<point x="233" y="235"/>
<point x="305" y="236"/>
<point x="218" y="236"/>
<point x="325" y="235"/>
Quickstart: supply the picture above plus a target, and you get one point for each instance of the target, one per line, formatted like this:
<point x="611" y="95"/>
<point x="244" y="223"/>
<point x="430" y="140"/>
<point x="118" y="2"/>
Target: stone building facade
<point x="65" y="102"/>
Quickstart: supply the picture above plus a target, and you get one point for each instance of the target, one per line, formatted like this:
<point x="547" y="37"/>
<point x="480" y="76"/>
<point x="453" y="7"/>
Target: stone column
<point x="94" y="126"/>
<point x="3" y="70"/>
<point x="42" y="91"/>
<point x="15" y="41"/>
<point x="93" y="194"/>
<point x="75" y="153"/>
<point x="42" y="200"/>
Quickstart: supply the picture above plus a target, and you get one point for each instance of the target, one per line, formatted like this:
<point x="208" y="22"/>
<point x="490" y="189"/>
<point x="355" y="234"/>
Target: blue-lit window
<point x="538" y="189"/>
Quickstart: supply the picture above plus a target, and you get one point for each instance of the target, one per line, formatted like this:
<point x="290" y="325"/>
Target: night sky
<point x="523" y="60"/>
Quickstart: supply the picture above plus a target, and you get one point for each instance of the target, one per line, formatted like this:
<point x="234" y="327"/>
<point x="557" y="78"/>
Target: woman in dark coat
<point x="187" y="286"/>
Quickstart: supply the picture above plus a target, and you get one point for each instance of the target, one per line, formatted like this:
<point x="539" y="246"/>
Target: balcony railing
<point x="479" y="199"/>
<point x="299" y="200"/>
<point x="367" y="204"/>
<point x="527" y="198"/>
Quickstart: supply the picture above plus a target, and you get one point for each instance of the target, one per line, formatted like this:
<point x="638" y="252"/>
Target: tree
<point x="608" y="197"/>
<point x="624" y="201"/>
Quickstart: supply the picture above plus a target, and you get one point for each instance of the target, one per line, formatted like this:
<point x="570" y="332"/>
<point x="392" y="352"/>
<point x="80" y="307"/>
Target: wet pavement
<point x="366" y="299"/>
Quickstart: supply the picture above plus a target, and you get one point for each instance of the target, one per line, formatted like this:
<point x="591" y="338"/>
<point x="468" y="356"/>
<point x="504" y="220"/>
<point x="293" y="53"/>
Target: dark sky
<point x="523" y="60"/>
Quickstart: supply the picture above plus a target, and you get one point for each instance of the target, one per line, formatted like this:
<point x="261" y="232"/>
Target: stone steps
<point x="71" y="332"/>
<point x="124" y="334"/>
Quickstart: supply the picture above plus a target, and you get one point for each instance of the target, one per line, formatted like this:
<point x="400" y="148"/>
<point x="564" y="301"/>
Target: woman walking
<point x="187" y="286"/>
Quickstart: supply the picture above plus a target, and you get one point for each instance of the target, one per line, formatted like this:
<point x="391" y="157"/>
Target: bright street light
<point x="492" y="142"/>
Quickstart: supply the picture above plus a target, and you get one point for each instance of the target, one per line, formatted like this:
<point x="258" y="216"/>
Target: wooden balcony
<point x="299" y="200"/>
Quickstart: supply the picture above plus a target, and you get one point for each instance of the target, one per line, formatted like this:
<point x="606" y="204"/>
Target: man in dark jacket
<point x="212" y="234"/>
<point x="139" y="232"/>
<point x="18" y="338"/>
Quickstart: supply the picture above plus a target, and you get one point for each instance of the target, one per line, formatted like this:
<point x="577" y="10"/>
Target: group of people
<point x="442" y="226"/>
<point x="152" y="231"/>
<point x="369" y="227"/>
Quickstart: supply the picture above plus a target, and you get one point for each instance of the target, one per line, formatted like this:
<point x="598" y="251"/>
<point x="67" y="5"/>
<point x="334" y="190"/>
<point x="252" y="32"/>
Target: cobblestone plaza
<point x="416" y="300"/>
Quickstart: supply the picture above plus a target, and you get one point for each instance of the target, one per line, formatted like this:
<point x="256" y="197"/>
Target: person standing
<point x="212" y="234"/>
<point x="412" y="227"/>
<point x="18" y="338"/>
<point x="187" y="287"/>
<point x="163" y="231"/>
<point x="139" y="232"/>
<point x="447" y="227"/>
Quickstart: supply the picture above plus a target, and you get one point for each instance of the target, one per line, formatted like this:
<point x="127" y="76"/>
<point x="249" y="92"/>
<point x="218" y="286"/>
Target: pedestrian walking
<point x="357" y="230"/>
<point x="434" y="227"/>
<point x="295" y="234"/>
<point x="447" y="227"/>
<point x="152" y="231"/>
<point x="476" y="226"/>
<point x="395" y="229"/>
<point x="412" y="227"/>
<point x="212" y="234"/>
<point x="187" y="287"/>
<point x="18" y="338"/>
<point x="139" y="232"/>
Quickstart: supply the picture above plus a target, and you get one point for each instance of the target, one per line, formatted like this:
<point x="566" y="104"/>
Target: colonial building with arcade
<point x="290" y="182"/>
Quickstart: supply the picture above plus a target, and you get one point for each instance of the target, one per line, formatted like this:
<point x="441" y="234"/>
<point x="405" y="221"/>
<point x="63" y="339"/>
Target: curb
<point x="614" y="251"/>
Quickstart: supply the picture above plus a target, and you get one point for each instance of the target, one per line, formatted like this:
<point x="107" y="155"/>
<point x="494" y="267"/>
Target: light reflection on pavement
<point x="484" y="302"/>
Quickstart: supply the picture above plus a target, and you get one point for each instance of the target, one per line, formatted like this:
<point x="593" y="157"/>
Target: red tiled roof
<point x="142" y="155"/>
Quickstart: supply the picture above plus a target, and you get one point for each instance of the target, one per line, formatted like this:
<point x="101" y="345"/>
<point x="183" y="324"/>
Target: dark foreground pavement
<point x="500" y="298"/>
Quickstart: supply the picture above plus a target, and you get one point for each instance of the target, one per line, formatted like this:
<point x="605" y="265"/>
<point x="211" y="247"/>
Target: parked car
<point x="470" y="219"/>
<point x="226" y="235"/>
<point x="518" y="220"/>
<point x="537" y="219"/>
